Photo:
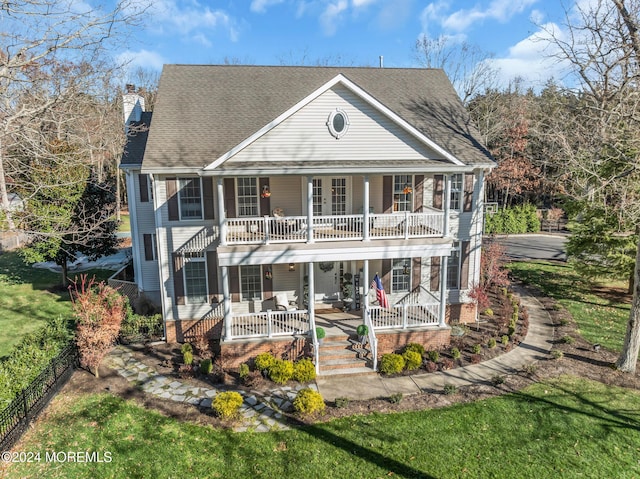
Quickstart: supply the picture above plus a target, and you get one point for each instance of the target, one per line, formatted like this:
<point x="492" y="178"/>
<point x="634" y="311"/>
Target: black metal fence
<point x="15" y="419"/>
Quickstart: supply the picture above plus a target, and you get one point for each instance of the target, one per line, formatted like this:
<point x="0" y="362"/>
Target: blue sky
<point x="348" y="32"/>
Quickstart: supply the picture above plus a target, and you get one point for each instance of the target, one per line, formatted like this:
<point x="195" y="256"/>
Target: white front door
<point x="327" y="281"/>
<point x="330" y="196"/>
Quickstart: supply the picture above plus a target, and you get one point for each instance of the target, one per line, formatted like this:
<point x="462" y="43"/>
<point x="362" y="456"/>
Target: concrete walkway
<point x="536" y="346"/>
<point x="261" y="412"/>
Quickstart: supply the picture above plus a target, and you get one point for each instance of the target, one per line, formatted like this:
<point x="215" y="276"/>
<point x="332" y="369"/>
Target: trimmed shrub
<point x="187" y="358"/>
<point x="412" y="360"/>
<point x="308" y="401"/>
<point x="498" y="379"/>
<point x="206" y="366"/>
<point x="446" y="364"/>
<point x="567" y="339"/>
<point x="342" y="402"/>
<point x="488" y="312"/>
<point x="475" y="358"/>
<point x="304" y="371"/>
<point x="455" y="353"/>
<point x="450" y="389"/>
<point x="264" y="361"/>
<point x="396" y="398"/>
<point x="557" y="354"/>
<point x="433" y="355"/>
<point x="186" y="348"/>
<point x="505" y="339"/>
<point x="320" y="332"/>
<point x="362" y="330"/>
<point x="243" y="371"/>
<point x="430" y="366"/>
<point x="391" y="363"/>
<point x="417" y="347"/>
<point x="227" y="404"/>
<point x="281" y="371"/>
<point x="476" y="349"/>
<point x="491" y="343"/>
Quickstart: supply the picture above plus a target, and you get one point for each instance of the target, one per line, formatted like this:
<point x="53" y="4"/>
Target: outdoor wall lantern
<point x="265" y="191"/>
<point x="405" y="269"/>
<point x="292" y="267"/>
<point x="268" y="274"/>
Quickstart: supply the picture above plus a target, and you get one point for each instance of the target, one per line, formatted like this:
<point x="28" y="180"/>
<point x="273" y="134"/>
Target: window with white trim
<point x="456" y="191"/>
<point x="247" y="193"/>
<point x="190" y="198"/>
<point x="401" y="275"/>
<point x="195" y="278"/>
<point x="453" y="267"/>
<point x="251" y="282"/>
<point x="402" y="189"/>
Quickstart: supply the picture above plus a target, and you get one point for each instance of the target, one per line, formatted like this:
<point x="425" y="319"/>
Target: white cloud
<point x="500" y="10"/>
<point x="362" y="3"/>
<point x="332" y="15"/>
<point x="260" y="6"/>
<point x="536" y="17"/>
<point x="142" y="58"/>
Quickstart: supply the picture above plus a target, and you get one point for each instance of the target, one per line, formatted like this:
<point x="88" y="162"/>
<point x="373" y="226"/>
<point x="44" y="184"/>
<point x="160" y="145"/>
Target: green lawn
<point x="561" y="428"/>
<point x="26" y="302"/>
<point x="600" y="319"/>
<point x="125" y="224"/>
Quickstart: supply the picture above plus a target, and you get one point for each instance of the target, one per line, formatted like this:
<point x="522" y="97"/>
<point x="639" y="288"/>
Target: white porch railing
<point x="405" y="316"/>
<point x="291" y="229"/>
<point x="373" y="341"/>
<point x="268" y="324"/>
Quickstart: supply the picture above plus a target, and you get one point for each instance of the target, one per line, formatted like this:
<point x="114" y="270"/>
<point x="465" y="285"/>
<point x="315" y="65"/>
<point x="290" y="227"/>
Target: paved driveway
<point x="535" y="246"/>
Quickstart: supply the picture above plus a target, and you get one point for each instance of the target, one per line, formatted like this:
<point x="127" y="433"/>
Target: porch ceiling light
<point x="292" y="266"/>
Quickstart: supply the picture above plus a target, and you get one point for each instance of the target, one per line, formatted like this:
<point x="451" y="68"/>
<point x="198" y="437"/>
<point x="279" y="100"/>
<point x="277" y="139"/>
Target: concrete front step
<point x="346" y="372"/>
<point x="342" y="363"/>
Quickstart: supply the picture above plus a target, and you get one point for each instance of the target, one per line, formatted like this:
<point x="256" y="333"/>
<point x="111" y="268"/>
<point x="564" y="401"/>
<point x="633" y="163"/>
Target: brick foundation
<point x="187" y="329"/>
<point x="460" y="313"/>
<point x="240" y="351"/>
<point x="394" y="341"/>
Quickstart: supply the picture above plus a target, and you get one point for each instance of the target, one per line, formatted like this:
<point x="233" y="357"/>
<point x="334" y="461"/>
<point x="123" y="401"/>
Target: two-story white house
<point x="257" y="192"/>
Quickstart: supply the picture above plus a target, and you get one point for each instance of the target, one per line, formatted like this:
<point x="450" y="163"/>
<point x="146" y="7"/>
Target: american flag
<point x="380" y="294"/>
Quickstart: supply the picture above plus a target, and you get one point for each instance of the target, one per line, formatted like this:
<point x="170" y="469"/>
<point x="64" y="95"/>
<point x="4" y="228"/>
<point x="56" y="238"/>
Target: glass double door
<point x="330" y="196"/>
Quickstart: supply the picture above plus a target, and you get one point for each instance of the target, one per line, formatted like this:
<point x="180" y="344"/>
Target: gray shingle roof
<point x="137" y="141"/>
<point x="203" y="111"/>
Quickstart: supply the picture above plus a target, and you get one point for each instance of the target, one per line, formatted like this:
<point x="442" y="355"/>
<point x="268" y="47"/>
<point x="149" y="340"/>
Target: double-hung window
<point x="402" y="189"/>
<point x="195" y="278"/>
<point x="190" y="199"/>
<point x="247" y="197"/>
<point x="456" y="192"/>
<point x="453" y="267"/>
<point x="250" y="282"/>
<point x="401" y="275"/>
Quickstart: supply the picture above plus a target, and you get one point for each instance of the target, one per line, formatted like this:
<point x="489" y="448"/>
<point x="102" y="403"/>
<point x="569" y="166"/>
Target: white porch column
<point x="365" y="210"/>
<point x="226" y="295"/>
<point x="222" y="219"/>
<point x="443" y="291"/>
<point x="447" y="205"/>
<point x="310" y="215"/>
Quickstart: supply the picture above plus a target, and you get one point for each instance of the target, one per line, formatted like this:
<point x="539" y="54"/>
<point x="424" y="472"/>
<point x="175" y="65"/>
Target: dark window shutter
<point x="178" y="278"/>
<point x="230" y="197"/>
<point x="386" y="275"/>
<point x="147" y="239"/>
<point x="265" y="203"/>
<point x="418" y="193"/>
<point x="207" y="198"/>
<point x="267" y="284"/>
<point x="172" y="198"/>
<point x="416" y="272"/>
<point x="212" y="276"/>
<point x="435" y="273"/>
<point x="438" y="191"/>
<point x="234" y="283"/>
<point x="465" y="249"/>
<point x="387" y="194"/>
<point x="143" y="183"/>
<point x="468" y="193"/>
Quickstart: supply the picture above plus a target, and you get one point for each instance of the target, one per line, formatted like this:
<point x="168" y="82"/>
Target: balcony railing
<point x="294" y="229"/>
<point x="268" y="324"/>
<point x="405" y="316"/>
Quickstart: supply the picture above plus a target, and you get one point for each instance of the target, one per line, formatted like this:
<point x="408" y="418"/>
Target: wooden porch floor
<point x="339" y="324"/>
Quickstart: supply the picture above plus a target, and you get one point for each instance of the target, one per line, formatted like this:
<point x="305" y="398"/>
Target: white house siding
<point x="287" y="193"/>
<point x="304" y="136"/>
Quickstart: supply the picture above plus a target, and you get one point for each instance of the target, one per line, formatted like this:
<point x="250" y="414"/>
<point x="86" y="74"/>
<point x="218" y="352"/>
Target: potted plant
<point x="320" y="334"/>
<point x="347" y="291"/>
<point x="362" y="331"/>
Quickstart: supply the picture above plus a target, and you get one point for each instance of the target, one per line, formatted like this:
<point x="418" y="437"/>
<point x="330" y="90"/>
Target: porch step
<point x="337" y="357"/>
<point x="342" y="363"/>
<point x="361" y="371"/>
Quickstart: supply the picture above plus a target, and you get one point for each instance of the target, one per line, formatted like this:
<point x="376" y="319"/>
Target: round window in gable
<point x="338" y="123"/>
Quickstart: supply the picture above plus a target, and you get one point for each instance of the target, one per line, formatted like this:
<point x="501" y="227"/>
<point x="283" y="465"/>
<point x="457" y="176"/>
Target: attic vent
<point x="338" y="123"/>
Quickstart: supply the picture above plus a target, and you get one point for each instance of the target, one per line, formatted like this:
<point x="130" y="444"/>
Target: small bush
<point x="491" y="343"/>
<point x="455" y="353"/>
<point x="243" y="371"/>
<point x="185" y="371"/>
<point x="342" y="402"/>
<point x="498" y="379"/>
<point x="476" y="349"/>
<point x="488" y="312"/>
<point x="304" y="371"/>
<point x="450" y="389"/>
<point x="227" y="404"/>
<point x="446" y="364"/>
<point x="308" y="401"/>
<point x="281" y="371"/>
<point x="264" y="361"/>
<point x="417" y="347"/>
<point x="433" y="356"/>
<point x="320" y="332"/>
<point x="362" y="330"/>
<point x="530" y="369"/>
<point x="412" y="360"/>
<point x="391" y="363"/>
<point x="430" y="366"/>
<point x="567" y="339"/>
<point x="206" y="366"/>
<point x="557" y="354"/>
<point x="396" y="398"/>
<point x="475" y="358"/>
<point x="186" y="348"/>
<point x="254" y="379"/>
<point x="505" y="339"/>
<point x="187" y="358"/>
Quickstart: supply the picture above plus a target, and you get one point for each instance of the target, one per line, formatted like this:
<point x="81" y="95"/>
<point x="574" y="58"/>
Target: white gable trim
<point x="305" y="101"/>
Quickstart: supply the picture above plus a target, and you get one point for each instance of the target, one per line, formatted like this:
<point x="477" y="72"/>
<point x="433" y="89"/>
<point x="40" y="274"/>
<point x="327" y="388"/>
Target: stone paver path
<point x="259" y="412"/>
